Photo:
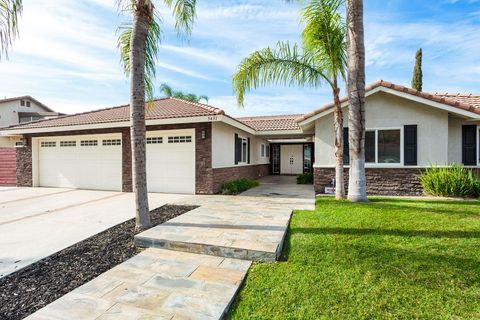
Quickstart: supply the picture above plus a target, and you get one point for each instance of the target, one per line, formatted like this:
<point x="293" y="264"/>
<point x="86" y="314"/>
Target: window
<point x="268" y="151"/>
<point x="68" y="143"/>
<point x="28" y="104"/>
<point x="262" y="150"/>
<point x="388" y="145"/>
<point x="48" y="144"/>
<point x="244" y="150"/>
<point x="154" y="140"/>
<point x="112" y="142"/>
<point x="88" y="143"/>
<point x="180" y="139"/>
<point x="22" y="103"/>
<point x="370" y="146"/>
<point x="381" y="146"/>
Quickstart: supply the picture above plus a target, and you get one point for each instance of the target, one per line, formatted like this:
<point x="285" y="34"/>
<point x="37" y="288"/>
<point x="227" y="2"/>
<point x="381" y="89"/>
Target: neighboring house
<point x="194" y="148"/>
<point x="12" y="112"/>
<point x="19" y="110"/>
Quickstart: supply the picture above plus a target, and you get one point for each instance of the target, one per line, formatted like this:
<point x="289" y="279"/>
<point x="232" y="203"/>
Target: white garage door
<point x="171" y="161"/>
<point x="83" y="162"/>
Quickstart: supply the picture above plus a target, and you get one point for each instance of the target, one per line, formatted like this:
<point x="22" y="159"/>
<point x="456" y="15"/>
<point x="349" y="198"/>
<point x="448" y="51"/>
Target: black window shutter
<point x="238" y="149"/>
<point x="346" y="148"/>
<point x="410" y="145"/>
<point x="469" y="145"/>
<point x="248" y="148"/>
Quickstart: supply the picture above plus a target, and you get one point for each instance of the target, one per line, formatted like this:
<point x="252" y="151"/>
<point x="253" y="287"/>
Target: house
<point x="19" y="110"/>
<point x="194" y="148"/>
<point x="12" y="112"/>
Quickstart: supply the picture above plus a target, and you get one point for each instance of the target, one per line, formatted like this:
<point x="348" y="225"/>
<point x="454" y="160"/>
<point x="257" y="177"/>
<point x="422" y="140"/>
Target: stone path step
<point x="155" y="284"/>
<point x="251" y="228"/>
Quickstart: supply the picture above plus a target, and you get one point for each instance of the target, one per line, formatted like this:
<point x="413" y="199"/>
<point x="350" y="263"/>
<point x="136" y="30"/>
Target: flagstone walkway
<point x="209" y="251"/>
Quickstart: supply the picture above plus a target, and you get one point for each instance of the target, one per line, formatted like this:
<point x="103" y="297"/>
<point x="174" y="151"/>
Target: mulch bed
<point x="33" y="287"/>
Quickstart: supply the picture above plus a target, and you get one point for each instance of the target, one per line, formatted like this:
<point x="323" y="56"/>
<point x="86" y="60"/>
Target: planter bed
<point x="33" y="287"/>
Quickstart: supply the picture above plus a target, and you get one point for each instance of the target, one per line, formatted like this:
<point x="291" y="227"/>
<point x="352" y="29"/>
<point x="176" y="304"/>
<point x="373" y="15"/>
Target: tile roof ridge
<point x="277" y="116"/>
<point x="198" y="104"/>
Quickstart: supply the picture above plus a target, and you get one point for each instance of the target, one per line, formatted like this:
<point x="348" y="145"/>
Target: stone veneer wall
<point x="380" y="181"/>
<point x="221" y="175"/>
<point x="24" y="165"/>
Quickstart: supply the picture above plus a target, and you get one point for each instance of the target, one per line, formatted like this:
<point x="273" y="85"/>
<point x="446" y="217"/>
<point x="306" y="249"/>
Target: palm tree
<point x="322" y="60"/>
<point x="139" y="44"/>
<point x="357" y="190"/>
<point x="10" y="10"/>
<point x="169" y="92"/>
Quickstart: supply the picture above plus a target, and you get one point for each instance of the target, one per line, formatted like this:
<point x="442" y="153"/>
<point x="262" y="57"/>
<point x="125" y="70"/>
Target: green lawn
<point x="386" y="259"/>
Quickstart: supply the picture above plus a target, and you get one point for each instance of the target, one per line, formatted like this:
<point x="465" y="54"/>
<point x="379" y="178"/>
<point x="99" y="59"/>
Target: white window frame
<point x="381" y="164"/>
<point x="243" y="139"/>
<point x="262" y="150"/>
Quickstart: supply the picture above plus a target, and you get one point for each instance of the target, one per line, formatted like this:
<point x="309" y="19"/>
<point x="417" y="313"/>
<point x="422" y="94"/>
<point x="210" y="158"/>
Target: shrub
<point x="305" y="178"/>
<point x="238" y="186"/>
<point x="453" y="181"/>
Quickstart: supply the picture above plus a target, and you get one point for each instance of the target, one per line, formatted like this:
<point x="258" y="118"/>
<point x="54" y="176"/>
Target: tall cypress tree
<point x="417" y="81"/>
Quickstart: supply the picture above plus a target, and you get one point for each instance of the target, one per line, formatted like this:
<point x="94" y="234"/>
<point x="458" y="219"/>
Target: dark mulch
<point x="33" y="287"/>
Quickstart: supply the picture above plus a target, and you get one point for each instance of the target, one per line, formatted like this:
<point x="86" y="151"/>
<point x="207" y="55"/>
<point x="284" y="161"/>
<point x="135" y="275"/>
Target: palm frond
<point x="166" y="90"/>
<point x="325" y="35"/>
<point x="184" y="12"/>
<point x="151" y="52"/>
<point x="10" y="10"/>
<point x="202" y="97"/>
<point x="284" y="65"/>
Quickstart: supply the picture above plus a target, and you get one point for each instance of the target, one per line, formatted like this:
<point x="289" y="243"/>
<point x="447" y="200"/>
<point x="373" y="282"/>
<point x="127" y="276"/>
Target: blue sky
<point x="67" y="57"/>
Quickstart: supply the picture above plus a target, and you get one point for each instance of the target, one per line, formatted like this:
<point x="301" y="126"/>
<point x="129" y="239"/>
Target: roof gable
<point x="41" y="105"/>
<point x="451" y="103"/>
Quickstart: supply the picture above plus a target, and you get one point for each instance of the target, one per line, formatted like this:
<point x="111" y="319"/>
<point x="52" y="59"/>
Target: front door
<point x="291" y="159"/>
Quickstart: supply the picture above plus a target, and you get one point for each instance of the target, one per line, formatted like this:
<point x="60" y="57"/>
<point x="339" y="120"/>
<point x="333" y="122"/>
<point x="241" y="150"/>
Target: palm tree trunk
<point x="137" y="114"/>
<point x="338" y="124"/>
<point x="356" y="98"/>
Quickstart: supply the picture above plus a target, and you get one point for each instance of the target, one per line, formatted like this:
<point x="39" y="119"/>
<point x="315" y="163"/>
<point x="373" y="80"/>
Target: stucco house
<point x="19" y="110"/>
<point x="193" y="148"/>
<point x="14" y="111"/>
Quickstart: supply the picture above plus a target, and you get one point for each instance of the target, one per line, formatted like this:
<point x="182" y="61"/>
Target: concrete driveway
<point x="36" y="222"/>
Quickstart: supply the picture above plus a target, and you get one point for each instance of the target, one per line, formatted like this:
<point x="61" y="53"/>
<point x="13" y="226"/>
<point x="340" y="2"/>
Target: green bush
<point x="238" y="186"/>
<point x="305" y="178"/>
<point x="453" y="181"/>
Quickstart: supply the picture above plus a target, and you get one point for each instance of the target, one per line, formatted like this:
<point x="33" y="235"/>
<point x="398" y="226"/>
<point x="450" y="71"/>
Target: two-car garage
<point x="96" y="161"/>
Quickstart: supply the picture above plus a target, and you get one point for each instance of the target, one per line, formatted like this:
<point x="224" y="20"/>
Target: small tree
<point x="417" y="80"/>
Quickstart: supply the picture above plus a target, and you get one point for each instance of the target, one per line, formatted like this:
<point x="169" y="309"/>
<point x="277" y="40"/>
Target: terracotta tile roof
<point x="161" y="109"/>
<point x="466" y="98"/>
<point x="458" y="101"/>
<point x="272" y="123"/>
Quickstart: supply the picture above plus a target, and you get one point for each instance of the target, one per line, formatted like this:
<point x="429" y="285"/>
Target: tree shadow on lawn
<point x="401" y="205"/>
<point x="452" y="234"/>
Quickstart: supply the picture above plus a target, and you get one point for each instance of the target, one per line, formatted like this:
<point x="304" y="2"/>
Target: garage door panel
<point x="96" y="167"/>
<point x="171" y="166"/>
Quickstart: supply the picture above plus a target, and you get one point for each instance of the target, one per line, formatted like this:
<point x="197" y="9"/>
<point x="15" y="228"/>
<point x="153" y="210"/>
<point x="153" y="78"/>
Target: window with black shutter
<point x="410" y="145"/>
<point x="346" y="150"/>
<point x="469" y="145"/>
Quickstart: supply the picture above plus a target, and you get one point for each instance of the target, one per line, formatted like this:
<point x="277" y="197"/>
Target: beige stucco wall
<point x="385" y="111"/>
<point x="223" y="147"/>
<point x="9" y="111"/>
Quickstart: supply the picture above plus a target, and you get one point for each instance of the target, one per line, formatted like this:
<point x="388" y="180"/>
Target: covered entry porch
<point x="291" y="156"/>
